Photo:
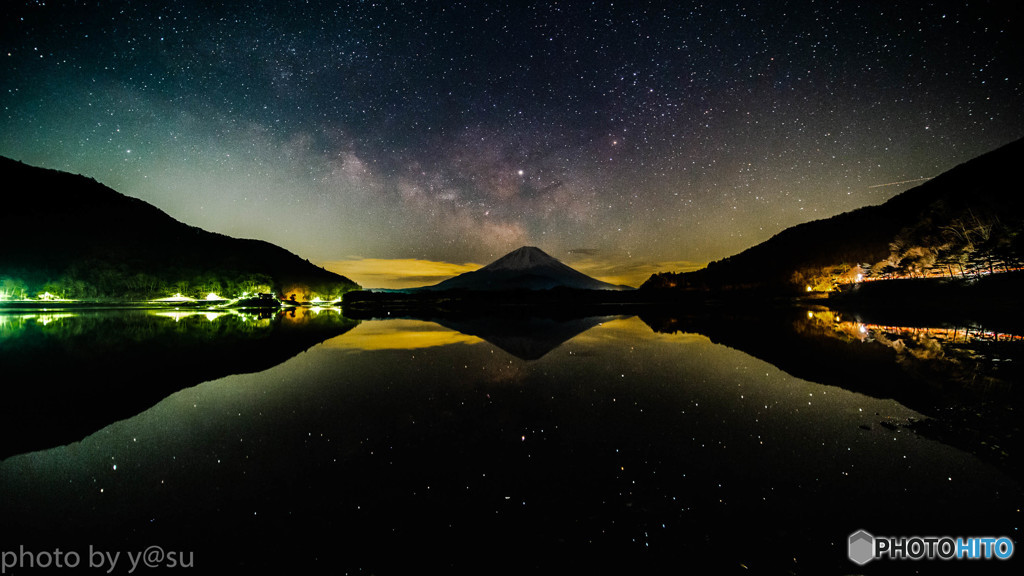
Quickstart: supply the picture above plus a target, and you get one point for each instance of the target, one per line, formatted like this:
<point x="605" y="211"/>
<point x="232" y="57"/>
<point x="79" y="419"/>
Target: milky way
<point x="621" y="137"/>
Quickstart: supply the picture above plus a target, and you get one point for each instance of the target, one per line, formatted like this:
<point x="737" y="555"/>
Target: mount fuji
<point x="527" y="268"/>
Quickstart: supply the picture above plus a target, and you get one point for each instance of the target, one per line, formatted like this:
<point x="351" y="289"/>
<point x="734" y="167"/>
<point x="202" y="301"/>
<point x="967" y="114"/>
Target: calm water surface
<point x="387" y="445"/>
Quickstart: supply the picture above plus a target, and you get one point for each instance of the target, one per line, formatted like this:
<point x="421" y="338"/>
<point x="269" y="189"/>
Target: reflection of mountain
<point x="526" y="337"/>
<point x="779" y="336"/>
<point x="526" y="268"/>
<point x="67" y="375"/>
<point x="973" y="403"/>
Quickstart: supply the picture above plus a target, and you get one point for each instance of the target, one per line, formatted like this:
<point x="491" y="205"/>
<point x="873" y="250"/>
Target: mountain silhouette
<point x="527" y="337"/>
<point x="526" y="268"/>
<point x="72" y="234"/>
<point x="967" y="220"/>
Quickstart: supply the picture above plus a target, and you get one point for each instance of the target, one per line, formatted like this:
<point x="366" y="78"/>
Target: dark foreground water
<point x="596" y="445"/>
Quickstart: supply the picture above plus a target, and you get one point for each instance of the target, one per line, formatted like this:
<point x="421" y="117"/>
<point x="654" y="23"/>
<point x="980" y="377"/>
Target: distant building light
<point x="176" y="298"/>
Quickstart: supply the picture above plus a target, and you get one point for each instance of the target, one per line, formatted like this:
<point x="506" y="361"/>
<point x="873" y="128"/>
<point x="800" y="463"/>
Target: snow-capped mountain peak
<point x="523" y="258"/>
<point x="526" y="268"/>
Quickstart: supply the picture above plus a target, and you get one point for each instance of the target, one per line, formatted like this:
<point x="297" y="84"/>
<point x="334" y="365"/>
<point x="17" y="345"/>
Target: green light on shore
<point x="176" y="298"/>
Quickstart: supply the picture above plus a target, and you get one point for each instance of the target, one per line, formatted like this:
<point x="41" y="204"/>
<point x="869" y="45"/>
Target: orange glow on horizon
<point x="630" y="273"/>
<point x="400" y="273"/>
<point x="397" y="273"/>
<point x="398" y="334"/>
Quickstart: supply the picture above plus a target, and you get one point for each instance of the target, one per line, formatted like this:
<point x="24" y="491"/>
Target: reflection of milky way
<point x="457" y="132"/>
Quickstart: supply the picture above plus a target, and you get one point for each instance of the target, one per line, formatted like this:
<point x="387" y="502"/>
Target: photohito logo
<point x="862" y="547"/>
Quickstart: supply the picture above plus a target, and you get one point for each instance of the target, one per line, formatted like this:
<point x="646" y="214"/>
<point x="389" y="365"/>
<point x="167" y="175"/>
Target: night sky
<point x="422" y="139"/>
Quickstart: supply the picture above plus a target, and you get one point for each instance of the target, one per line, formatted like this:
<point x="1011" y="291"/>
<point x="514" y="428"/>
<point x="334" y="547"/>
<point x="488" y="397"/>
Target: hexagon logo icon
<point x="861" y="547"/>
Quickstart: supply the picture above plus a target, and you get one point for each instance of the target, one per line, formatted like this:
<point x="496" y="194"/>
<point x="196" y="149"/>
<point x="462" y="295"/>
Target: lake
<point x="753" y="442"/>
